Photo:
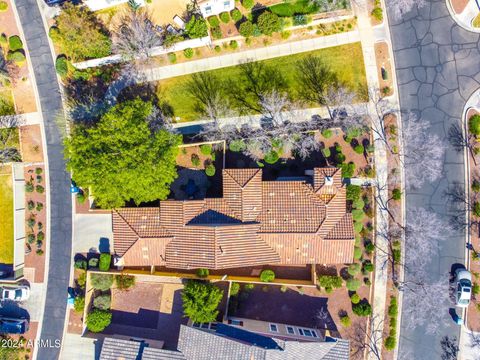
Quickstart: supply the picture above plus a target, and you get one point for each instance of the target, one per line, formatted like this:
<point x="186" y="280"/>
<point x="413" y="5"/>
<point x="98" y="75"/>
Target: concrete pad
<point x="89" y="229"/>
<point x="34" y="303"/>
<point x="75" y="347"/>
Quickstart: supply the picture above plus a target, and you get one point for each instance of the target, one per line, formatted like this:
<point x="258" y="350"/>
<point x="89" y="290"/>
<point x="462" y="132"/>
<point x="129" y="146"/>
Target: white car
<point x="464" y="287"/>
<point x="15" y="293"/>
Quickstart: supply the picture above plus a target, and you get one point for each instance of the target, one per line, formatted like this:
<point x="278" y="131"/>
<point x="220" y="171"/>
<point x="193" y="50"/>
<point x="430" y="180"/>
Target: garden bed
<point x="384" y="68"/>
<point x="31" y="143"/>
<point x="346" y="62"/>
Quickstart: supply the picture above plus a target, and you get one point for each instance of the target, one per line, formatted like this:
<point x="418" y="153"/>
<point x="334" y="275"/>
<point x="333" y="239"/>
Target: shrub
<point x="39" y="206"/>
<point x="397" y="255"/>
<point x="202" y="273"/>
<point x="82" y="279"/>
<point x="233" y="44"/>
<point x="124" y="282"/>
<point x="249" y="287"/>
<point x="393" y="307"/>
<point x="476" y="208"/>
<point x="81" y="197"/>
<point x="354" y="269"/>
<point x="327" y="133"/>
<point x="31" y="238"/>
<point x="15" y="43"/>
<point x="357" y="253"/>
<point x="359" y="204"/>
<point x="393" y="323"/>
<point x="268" y="23"/>
<point x="39" y="189"/>
<point x="102" y="282"/>
<point x="195" y="160"/>
<point x="326" y="152"/>
<point x="355" y="298"/>
<point x="16" y="56"/>
<point x="271" y="157"/>
<point x="300" y="20"/>
<point x="353" y="192"/>
<point x="80" y="264"/>
<point x="330" y="282"/>
<point x="267" y="275"/>
<point x="248" y="4"/>
<point x="188" y="52"/>
<point x="98" y="320"/>
<point x="39" y="252"/>
<point x="61" y="66"/>
<point x="210" y="170"/>
<point x="358" y="227"/>
<point x="79" y="304"/>
<point x="348" y="169"/>
<point x="93" y="263"/>
<point x="390" y="343"/>
<point x="369" y="247"/>
<point x="216" y="32"/>
<point x="3" y="6"/>
<point x="29" y="187"/>
<point x="345" y="321"/>
<point x="196" y="27"/>
<point x="359" y="149"/>
<point x="200" y="301"/>
<point x="237" y="145"/>
<point x="31" y="205"/>
<point x="246" y="29"/>
<point x="206" y="149"/>
<point x="475" y="289"/>
<point x="377" y="13"/>
<point x="234" y="289"/>
<point x="476" y="186"/>
<point x="363" y="308"/>
<point x="105" y="260"/>
<point x="368" y="266"/>
<point x="217" y="48"/>
<point x="474" y="124"/>
<point x="102" y="301"/>
<point x="236" y="15"/>
<point x="358" y="214"/>
<point x="353" y="284"/>
<point x="172" y="57"/>
<point x="213" y="21"/>
<point x="225" y="17"/>
<point x="396" y="194"/>
<point x="31" y="222"/>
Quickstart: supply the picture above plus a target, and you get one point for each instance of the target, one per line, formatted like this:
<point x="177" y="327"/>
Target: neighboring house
<point x="229" y="343"/>
<point x="215" y="7"/>
<point x="255" y="223"/>
<point x="96" y="5"/>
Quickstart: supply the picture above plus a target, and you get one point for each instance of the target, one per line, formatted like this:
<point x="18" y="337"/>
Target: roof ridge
<point x="249" y="179"/>
<point x="126" y="222"/>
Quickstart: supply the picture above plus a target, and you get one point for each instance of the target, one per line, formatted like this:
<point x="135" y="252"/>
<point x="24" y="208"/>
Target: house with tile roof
<point x="227" y="342"/>
<point x="255" y="223"/>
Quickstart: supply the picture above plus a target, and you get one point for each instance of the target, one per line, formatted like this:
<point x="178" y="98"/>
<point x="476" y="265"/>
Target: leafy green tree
<point x="80" y="34"/>
<point x="124" y="281"/>
<point x="196" y="27"/>
<point x="268" y="23"/>
<point x="98" y="320"/>
<point x="105" y="260"/>
<point x="200" y="301"/>
<point x="363" y="308"/>
<point x="267" y="275"/>
<point x="121" y="158"/>
<point x="102" y="301"/>
<point x="246" y="29"/>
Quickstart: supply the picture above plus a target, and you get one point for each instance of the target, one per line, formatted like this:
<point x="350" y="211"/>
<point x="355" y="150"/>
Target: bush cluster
<point x="124" y="282"/>
<point x="363" y="308"/>
<point x="267" y="275"/>
<point x="105" y="260"/>
<point x="101" y="282"/>
<point x="391" y="340"/>
<point x="98" y="320"/>
<point x="330" y="282"/>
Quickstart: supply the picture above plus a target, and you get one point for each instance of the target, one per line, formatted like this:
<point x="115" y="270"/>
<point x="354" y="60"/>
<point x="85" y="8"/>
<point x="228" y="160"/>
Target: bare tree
<point x="460" y="206"/>
<point x="275" y="106"/>
<point x="459" y="140"/>
<point x="449" y="348"/>
<point x="423" y="153"/>
<point x="428" y="302"/>
<point x="136" y="35"/>
<point x="399" y="8"/>
<point x="9" y="71"/>
<point x="367" y="336"/>
<point x="327" y="5"/>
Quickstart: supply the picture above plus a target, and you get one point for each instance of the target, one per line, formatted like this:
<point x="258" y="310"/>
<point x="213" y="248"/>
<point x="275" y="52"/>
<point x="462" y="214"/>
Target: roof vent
<point x="328" y="180"/>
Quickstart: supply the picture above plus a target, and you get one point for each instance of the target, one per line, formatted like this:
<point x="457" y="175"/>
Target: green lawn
<point x="345" y="60"/>
<point x="6" y="218"/>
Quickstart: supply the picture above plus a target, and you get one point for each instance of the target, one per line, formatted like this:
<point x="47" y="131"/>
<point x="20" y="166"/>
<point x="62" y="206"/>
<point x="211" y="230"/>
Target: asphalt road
<point x="60" y="242"/>
<point x="438" y="68"/>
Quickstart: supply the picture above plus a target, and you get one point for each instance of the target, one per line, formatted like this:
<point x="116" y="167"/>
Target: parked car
<point x="54" y="2"/>
<point x="464" y="287"/>
<point x="15" y="293"/>
<point x="13" y="325"/>
<point x="4" y="274"/>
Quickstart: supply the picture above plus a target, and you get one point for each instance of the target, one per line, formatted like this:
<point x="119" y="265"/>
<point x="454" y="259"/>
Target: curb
<point x="462" y="25"/>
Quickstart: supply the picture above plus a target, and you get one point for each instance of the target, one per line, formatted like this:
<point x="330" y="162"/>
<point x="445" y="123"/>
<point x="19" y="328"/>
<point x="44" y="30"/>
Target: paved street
<point x="437" y="70"/>
<point x="60" y="224"/>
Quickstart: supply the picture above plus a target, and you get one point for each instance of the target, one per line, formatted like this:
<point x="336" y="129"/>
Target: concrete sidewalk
<point x="164" y="72"/>
<point x="34" y="118"/>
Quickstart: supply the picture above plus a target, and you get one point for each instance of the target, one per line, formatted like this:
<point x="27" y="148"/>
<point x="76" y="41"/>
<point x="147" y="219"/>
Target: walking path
<point x="470" y="350"/>
<point x="268" y="52"/>
<point x="29" y="119"/>
<point x="59" y="221"/>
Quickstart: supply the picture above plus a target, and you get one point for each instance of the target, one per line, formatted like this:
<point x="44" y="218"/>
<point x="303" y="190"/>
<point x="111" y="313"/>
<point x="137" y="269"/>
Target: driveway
<point x="92" y="233"/>
<point x="438" y="68"/>
<point x="60" y="241"/>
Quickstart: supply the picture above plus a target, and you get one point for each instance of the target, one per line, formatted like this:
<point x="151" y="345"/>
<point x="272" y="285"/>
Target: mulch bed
<point x="31" y="143"/>
<point x="382" y="56"/>
<point x="459" y="5"/>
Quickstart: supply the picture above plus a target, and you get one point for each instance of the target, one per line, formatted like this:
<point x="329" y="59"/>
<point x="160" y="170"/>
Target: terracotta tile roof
<point x="255" y="223"/>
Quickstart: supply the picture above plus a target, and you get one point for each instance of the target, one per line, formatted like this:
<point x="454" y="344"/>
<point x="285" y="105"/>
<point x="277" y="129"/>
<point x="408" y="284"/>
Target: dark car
<point x="13" y="325"/>
<point x="54" y="2"/>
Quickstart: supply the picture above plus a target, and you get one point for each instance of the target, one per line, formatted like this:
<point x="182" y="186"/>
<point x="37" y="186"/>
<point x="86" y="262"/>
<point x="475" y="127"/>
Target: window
<point x="307" y="332"/>
<point x="235" y="322"/>
<point x="300" y="331"/>
<point x="290" y="330"/>
<point x="273" y="328"/>
<point x="197" y="325"/>
<point x="208" y="10"/>
<point x="205" y="325"/>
